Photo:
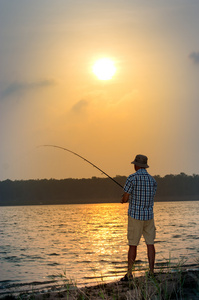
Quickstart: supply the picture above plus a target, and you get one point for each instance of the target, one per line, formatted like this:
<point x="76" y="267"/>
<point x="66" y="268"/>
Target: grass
<point x="172" y="283"/>
<point x="168" y="284"/>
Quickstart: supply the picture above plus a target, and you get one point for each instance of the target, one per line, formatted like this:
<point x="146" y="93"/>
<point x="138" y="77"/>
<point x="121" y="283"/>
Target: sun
<point x="104" y="68"/>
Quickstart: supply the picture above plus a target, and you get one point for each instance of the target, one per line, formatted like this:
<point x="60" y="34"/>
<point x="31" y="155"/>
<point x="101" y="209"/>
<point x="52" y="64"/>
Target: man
<point x="139" y="190"/>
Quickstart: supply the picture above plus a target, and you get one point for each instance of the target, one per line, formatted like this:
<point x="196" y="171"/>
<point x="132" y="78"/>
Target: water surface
<point x="88" y="242"/>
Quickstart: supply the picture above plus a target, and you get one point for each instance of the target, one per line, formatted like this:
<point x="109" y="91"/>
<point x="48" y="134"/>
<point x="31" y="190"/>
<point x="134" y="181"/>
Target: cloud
<point x="80" y="106"/>
<point x="16" y="87"/>
<point x="194" y="56"/>
<point x="89" y="99"/>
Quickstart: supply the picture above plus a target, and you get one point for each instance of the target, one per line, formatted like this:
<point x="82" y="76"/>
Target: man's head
<point x="140" y="162"/>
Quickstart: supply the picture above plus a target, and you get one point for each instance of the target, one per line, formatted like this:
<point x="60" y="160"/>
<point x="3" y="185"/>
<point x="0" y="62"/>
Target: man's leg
<point x="131" y="259"/>
<point x="151" y="257"/>
<point x="135" y="228"/>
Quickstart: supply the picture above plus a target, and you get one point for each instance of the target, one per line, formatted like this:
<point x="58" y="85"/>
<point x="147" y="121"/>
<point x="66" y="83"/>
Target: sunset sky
<point x="50" y="95"/>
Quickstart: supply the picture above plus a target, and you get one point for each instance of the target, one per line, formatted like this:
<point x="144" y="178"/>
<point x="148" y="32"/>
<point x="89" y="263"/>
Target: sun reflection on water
<point x="88" y="242"/>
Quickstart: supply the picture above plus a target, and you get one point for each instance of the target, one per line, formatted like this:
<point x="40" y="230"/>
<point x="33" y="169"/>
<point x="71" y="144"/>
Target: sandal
<point x="126" y="278"/>
<point x="152" y="276"/>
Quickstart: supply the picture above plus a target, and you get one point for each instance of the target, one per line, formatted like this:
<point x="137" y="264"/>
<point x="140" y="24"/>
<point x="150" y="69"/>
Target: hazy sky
<point x="49" y="94"/>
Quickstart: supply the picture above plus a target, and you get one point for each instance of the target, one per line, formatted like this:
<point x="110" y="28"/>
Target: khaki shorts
<point x="137" y="228"/>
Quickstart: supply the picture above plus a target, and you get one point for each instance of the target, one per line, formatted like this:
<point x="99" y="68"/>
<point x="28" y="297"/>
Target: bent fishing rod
<point x="65" y="149"/>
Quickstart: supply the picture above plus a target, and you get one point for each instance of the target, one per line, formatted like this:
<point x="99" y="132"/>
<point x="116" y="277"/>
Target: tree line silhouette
<point x="92" y="190"/>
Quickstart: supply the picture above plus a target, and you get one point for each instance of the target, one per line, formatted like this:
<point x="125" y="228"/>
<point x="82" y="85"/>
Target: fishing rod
<point x="65" y="149"/>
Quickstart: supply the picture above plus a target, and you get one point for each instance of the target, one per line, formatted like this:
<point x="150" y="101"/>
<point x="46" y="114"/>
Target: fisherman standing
<point x="139" y="190"/>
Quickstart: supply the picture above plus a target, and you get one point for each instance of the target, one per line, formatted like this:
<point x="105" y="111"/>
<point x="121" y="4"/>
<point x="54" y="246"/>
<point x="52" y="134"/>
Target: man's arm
<point x="155" y="189"/>
<point x="125" y="198"/>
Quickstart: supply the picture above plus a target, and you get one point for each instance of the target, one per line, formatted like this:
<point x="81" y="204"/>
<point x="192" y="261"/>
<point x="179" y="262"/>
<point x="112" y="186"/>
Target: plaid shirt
<point x="142" y="188"/>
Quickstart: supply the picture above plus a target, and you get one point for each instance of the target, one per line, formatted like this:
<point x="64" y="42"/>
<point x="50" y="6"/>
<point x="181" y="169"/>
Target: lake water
<point x="87" y="243"/>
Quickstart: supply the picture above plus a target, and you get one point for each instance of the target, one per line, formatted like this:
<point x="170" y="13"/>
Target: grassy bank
<point x="178" y="284"/>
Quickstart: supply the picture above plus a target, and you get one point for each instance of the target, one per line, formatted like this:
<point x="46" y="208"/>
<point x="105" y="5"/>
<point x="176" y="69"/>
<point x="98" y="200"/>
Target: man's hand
<point x="125" y="198"/>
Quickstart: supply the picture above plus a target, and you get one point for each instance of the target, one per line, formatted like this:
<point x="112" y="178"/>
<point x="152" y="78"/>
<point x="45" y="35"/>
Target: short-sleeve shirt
<point x="142" y="188"/>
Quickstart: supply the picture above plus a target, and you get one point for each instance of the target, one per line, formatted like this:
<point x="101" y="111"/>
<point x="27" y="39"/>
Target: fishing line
<point x="65" y="149"/>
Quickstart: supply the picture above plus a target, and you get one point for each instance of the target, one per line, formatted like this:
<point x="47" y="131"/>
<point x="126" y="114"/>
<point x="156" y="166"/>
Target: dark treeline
<point x="68" y="191"/>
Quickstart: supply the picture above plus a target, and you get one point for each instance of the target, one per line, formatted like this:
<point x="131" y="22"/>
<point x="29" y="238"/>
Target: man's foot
<point x="151" y="275"/>
<point x="127" y="278"/>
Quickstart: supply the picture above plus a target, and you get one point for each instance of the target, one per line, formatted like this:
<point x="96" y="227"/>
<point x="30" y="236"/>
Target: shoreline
<point x="174" y="284"/>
